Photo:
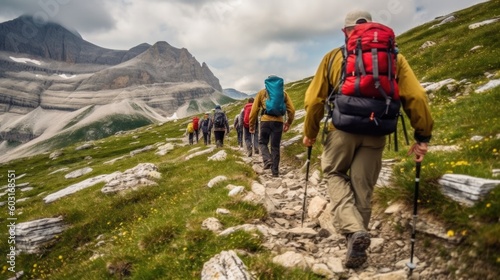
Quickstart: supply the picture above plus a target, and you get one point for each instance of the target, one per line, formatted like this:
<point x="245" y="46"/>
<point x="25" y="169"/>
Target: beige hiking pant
<point x="352" y="164"/>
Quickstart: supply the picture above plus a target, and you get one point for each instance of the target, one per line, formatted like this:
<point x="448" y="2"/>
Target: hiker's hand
<point x="286" y="127"/>
<point x="308" y="142"/>
<point x="419" y="149"/>
<point x="252" y="130"/>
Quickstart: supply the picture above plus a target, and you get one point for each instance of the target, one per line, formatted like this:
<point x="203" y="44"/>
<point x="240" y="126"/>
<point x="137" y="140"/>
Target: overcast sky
<point x="242" y="41"/>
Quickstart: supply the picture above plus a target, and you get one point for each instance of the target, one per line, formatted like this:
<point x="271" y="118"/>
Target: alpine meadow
<point x="159" y="230"/>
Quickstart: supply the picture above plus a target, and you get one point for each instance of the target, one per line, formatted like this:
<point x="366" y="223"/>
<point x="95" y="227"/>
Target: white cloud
<point x="242" y="41"/>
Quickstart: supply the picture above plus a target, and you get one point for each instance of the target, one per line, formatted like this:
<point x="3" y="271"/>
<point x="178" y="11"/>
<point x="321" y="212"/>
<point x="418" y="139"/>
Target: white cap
<point x="353" y="17"/>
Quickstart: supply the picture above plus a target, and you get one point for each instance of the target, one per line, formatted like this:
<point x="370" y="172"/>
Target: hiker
<point x="251" y="139"/>
<point x="190" y="132"/>
<point x="206" y="128"/>
<point x="221" y="126"/>
<point x="238" y="126"/>
<point x="275" y="105"/>
<point x="351" y="161"/>
<point x="196" y="121"/>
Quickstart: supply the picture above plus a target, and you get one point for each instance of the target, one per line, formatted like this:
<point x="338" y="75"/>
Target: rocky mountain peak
<point x="174" y="64"/>
<point x="47" y="68"/>
<point x="50" y="40"/>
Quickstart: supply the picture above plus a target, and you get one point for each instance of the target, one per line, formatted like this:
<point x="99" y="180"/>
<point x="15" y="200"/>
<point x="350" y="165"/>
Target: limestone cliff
<point x="54" y="69"/>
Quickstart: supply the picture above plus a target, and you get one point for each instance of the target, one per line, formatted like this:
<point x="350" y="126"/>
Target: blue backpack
<point x="275" y="102"/>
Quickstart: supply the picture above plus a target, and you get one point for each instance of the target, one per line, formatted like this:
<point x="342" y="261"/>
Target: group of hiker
<point x="217" y="123"/>
<point x="260" y="124"/>
<point x="362" y="87"/>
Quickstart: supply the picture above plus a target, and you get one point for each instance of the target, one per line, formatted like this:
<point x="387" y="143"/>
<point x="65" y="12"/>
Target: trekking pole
<point x="396" y="140"/>
<point x="252" y="139"/>
<point x="309" y="149"/>
<point x="404" y="129"/>
<point x="411" y="265"/>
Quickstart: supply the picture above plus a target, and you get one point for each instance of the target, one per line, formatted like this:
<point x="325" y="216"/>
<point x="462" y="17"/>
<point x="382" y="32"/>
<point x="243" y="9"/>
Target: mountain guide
<point x="277" y="117"/>
<point x="362" y="77"/>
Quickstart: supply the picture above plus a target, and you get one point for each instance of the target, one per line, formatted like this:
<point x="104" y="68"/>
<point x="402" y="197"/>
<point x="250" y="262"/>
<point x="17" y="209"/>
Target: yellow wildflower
<point x="451" y="233"/>
<point x="488" y="205"/>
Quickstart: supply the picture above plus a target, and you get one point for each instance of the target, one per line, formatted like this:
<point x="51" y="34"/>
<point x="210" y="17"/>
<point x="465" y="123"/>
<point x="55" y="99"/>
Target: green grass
<point x="451" y="56"/>
<point x="154" y="232"/>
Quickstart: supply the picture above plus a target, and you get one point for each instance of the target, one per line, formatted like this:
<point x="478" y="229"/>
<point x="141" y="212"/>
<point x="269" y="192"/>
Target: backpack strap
<point x="333" y="90"/>
<point x="360" y="67"/>
<point x="390" y="52"/>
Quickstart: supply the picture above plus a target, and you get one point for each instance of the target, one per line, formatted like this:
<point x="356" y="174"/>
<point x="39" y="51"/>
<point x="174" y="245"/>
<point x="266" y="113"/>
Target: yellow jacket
<point x="260" y="103"/>
<point x="413" y="96"/>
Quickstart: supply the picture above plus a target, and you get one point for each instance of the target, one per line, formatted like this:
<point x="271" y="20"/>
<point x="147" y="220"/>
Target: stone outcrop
<point x="483" y="23"/>
<point x="384" y="178"/>
<point x="466" y="189"/>
<point x="140" y="176"/>
<point x="133" y="178"/>
<point x="78" y="173"/>
<point x="444" y="21"/>
<point x="75" y="188"/>
<point x="225" y="266"/>
<point x="32" y="236"/>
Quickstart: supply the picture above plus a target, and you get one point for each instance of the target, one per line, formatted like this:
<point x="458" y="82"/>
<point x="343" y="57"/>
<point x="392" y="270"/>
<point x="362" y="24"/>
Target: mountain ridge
<point x="53" y="41"/>
<point x="55" y="69"/>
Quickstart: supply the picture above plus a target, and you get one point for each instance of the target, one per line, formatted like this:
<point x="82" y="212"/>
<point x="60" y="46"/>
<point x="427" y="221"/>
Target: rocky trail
<point x="316" y="245"/>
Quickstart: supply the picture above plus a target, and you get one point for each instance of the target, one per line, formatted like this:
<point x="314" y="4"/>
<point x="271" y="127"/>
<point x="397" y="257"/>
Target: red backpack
<point x="370" y="68"/>
<point x="195" y="122"/>
<point x="246" y="115"/>
<point x="367" y="100"/>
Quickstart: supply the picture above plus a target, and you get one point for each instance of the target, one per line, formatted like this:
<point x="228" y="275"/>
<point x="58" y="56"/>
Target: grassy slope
<point x="451" y="57"/>
<point x="158" y="230"/>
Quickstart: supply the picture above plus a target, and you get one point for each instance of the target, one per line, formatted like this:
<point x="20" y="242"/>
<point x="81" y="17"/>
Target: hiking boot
<point x="357" y="244"/>
<point x="268" y="165"/>
<point x="276" y="175"/>
<point x="256" y="151"/>
<point x="249" y="153"/>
